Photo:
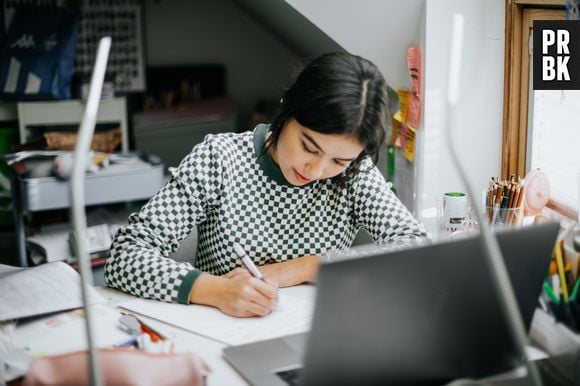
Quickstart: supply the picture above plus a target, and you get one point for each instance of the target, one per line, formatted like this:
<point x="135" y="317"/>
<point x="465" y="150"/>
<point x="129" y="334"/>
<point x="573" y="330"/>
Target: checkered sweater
<point x="234" y="193"/>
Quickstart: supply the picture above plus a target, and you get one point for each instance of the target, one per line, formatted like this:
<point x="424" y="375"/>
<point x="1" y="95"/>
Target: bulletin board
<point x="120" y="19"/>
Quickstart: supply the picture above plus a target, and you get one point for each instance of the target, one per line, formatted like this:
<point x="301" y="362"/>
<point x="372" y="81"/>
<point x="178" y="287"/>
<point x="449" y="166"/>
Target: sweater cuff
<point x="186" y="286"/>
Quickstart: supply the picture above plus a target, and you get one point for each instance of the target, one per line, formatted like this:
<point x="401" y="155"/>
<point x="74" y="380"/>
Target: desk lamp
<point x="77" y="194"/>
<point x="489" y="243"/>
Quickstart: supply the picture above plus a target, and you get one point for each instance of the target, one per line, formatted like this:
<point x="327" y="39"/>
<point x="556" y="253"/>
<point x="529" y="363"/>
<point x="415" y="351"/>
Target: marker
<point x="556" y="286"/>
<point x="575" y="290"/>
<point x="247" y="262"/>
<point x="551" y="295"/>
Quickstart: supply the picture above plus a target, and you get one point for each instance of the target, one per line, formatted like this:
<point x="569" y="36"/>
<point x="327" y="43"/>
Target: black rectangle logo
<point x="556" y="55"/>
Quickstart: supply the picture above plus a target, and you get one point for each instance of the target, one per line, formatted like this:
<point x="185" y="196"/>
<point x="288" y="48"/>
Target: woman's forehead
<point x="335" y="145"/>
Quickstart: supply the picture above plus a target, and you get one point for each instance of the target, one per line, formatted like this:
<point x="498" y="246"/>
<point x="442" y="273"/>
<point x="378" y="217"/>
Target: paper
<point x="401" y="140"/>
<point x="65" y="332"/>
<point x="395" y="129"/>
<point x="292" y="316"/>
<point x="56" y="334"/>
<point x="410" y="145"/>
<point x="401" y="115"/>
<point x="52" y="243"/>
<point x="415" y="70"/>
<point x="415" y="76"/>
<point x="40" y="290"/>
<point x="414" y="114"/>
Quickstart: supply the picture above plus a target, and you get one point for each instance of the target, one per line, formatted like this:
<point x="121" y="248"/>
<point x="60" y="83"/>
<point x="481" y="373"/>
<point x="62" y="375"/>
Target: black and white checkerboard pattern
<point x="221" y="187"/>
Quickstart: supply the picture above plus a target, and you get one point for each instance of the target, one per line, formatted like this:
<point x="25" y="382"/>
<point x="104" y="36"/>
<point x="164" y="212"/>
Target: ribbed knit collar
<point x="265" y="161"/>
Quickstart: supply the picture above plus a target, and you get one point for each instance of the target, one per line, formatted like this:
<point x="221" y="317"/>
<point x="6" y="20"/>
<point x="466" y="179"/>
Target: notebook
<point x="423" y="315"/>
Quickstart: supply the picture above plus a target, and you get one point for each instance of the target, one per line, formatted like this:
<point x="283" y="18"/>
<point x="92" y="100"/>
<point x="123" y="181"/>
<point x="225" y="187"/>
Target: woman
<point x="288" y="193"/>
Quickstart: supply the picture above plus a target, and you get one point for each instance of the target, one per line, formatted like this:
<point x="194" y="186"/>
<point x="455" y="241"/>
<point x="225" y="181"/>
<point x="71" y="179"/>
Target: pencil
<point x="490" y="201"/>
<point x="560" y="264"/>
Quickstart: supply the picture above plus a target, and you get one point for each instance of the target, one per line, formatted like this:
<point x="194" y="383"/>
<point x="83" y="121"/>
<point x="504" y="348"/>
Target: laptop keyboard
<point x="290" y="376"/>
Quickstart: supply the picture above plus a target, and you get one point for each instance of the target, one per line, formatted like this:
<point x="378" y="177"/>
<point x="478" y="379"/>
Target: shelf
<point x="129" y="182"/>
<point x="70" y="112"/>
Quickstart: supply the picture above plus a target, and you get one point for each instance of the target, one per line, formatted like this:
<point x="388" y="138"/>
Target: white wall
<point x="379" y="30"/>
<point x="477" y="135"/>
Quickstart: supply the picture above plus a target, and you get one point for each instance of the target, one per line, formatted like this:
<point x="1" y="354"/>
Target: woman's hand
<point x="238" y="272"/>
<point x="240" y="295"/>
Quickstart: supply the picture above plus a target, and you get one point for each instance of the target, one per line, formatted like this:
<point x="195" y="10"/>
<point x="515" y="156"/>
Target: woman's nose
<point x="314" y="168"/>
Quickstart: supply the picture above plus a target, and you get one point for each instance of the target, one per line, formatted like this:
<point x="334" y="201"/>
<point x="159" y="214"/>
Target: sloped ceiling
<point x="297" y="32"/>
<point x="380" y="30"/>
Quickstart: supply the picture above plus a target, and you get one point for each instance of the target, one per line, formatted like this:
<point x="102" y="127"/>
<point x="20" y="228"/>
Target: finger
<point x="275" y="285"/>
<point x="237" y="272"/>
<point x="264" y="301"/>
<point x="267" y="289"/>
<point x="250" y="294"/>
<point x="259" y="309"/>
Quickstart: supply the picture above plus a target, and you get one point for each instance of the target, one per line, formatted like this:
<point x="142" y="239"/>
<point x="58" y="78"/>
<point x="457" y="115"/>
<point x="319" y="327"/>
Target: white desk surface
<point x="208" y="349"/>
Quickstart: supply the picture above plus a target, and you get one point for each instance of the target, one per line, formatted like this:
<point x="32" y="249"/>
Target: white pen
<point x="248" y="263"/>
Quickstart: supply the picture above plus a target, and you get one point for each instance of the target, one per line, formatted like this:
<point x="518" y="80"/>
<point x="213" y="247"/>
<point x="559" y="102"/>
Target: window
<point x="541" y="129"/>
<point x="555" y="142"/>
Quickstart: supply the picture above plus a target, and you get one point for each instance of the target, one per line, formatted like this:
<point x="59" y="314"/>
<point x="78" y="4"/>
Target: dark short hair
<point x="338" y="93"/>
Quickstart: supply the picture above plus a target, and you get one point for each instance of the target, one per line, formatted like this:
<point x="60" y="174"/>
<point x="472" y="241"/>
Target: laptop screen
<point x="423" y="315"/>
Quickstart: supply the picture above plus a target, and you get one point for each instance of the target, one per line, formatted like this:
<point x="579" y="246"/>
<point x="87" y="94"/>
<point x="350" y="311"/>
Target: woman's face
<point x="305" y="155"/>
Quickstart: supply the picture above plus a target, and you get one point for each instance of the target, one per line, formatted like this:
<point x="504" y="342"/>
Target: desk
<point x="208" y="349"/>
<point x="223" y="374"/>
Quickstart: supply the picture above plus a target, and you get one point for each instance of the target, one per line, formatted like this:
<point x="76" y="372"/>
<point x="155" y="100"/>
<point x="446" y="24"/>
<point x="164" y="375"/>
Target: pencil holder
<point x="504" y="217"/>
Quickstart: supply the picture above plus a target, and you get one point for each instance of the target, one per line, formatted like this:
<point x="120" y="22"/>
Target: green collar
<point x="265" y="161"/>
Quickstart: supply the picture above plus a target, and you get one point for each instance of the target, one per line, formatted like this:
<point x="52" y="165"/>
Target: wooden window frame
<point x="518" y="18"/>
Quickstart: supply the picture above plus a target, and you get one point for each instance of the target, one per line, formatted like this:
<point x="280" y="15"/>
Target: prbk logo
<point x="556" y="55"/>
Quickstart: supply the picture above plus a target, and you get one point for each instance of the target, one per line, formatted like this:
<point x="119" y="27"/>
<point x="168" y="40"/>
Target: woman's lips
<point x="301" y="178"/>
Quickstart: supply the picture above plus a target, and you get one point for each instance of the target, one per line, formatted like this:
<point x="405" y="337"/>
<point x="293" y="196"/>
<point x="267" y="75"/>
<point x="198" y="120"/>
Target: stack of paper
<point x="40" y="290"/>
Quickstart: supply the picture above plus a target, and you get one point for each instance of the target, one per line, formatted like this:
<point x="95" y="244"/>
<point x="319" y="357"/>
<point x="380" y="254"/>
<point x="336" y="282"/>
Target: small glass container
<point x="504" y="217"/>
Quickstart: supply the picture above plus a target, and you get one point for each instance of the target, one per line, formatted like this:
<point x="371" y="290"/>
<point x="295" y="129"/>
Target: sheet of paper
<point x="414" y="114"/>
<point x="65" y="332"/>
<point x="401" y="115"/>
<point x="410" y="145"/>
<point x="415" y="70"/>
<point x="41" y="290"/>
<point x="292" y="316"/>
<point x="52" y="242"/>
<point x="56" y="334"/>
<point x="395" y="129"/>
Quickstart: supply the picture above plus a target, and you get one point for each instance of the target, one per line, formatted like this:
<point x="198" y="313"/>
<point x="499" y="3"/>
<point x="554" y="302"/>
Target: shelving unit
<point x="103" y="187"/>
<point x="70" y="112"/>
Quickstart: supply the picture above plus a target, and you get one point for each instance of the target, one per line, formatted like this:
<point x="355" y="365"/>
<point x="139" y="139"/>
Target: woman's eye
<point x="308" y="150"/>
<point x="341" y="164"/>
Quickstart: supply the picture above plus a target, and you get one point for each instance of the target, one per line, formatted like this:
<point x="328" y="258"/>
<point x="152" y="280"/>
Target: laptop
<point x="425" y="315"/>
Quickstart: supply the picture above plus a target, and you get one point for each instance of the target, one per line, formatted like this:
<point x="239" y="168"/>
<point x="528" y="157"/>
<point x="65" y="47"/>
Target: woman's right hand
<point x="240" y="296"/>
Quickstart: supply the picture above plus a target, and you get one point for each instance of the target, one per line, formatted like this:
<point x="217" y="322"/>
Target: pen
<point x="133" y="325"/>
<point x="247" y="262"/>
